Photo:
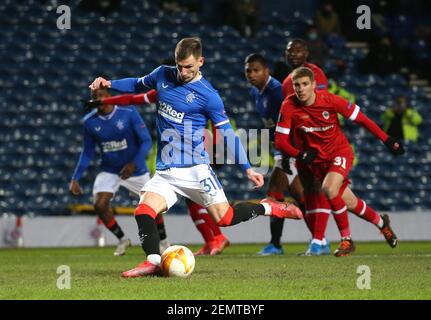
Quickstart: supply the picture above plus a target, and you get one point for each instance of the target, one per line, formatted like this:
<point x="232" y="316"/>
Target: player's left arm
<point x="125" y="99"/>
<point x="353" y="112"/>
<point x="217" y="114"/>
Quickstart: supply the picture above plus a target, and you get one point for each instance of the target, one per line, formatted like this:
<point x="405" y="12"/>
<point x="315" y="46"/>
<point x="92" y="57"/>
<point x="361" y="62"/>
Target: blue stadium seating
<point x="45" y="73"/>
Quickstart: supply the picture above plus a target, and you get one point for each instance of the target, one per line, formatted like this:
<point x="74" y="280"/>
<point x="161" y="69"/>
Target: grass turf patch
<point x="401" y="273"/>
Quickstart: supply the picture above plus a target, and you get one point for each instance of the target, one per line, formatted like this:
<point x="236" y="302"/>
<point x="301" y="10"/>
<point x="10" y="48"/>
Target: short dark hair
<point x="256" y="57"/>
<point x="301" y="42"/>
<point x="187" y="47"/>
<point x="302" y="72"/>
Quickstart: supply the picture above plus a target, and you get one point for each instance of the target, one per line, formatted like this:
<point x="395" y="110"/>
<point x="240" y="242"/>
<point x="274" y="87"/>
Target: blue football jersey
<point x="182" y="113"/>
<point x="268" y="102"/>
<point x="122" y="137"/>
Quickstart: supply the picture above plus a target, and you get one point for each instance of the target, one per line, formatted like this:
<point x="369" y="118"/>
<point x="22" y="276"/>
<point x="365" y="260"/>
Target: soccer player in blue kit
<point x="268" y="96"/>
<point x="186" y="102"/>
<point x="124" y="142"/>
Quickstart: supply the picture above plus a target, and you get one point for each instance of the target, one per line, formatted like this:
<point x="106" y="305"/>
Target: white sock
<point x="324" y="242"/>
<point x="317" y="241"/>
<point x="154" y="259"/>
<point x="268" y="209"/>
<point x="380" y="223"/>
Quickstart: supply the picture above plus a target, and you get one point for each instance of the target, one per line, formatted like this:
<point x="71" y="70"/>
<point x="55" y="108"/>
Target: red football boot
<point x="283" y="209"/>
<point x="205" y="250"/>
<point x="221" y="243"/>
<point x="143" y="269"/>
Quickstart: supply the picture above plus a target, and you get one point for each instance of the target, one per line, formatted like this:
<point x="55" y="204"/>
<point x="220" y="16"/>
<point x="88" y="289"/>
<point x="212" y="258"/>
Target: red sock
<point x="339" y="211"/>
<point x="200" y="221"/>
<point x="308" y="218"/>
<point x="367" y="213"/>
<point x="18" y="222"/>
<point x="111" y="223"/>
<point x="210" y="222"/>
<point x="143" y="209"/>
<point x="159" y="219"/>
<point x="226" y="220"/>
<point x="279" y="196"/>
<point x="317" y="213"/>
<point x="309" y="221"/>
<point x="320" y="223"/>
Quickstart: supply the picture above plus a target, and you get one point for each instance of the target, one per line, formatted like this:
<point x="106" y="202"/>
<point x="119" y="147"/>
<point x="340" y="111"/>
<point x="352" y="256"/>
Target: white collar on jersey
<point x="108" y="116"/>
<point x="263" y="89"/>
<point x="198" y="78"/>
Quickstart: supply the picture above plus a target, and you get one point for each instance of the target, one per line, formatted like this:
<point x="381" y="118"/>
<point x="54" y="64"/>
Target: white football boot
<point x="122" y="246"/>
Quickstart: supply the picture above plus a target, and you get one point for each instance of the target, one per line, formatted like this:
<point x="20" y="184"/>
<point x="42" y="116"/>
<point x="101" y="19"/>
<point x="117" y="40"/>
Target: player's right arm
<point x="123" y="85"/>
<point x="87" y="154"/>
<point x="282" y="137"/>
<point x="130" y="85"/>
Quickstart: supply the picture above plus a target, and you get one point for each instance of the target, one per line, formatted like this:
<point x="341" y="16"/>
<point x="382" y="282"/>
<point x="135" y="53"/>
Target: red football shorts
<point x="341" y="163"/>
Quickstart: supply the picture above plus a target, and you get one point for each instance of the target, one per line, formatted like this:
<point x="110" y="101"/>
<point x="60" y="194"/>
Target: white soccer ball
<point x="177" y="261"/>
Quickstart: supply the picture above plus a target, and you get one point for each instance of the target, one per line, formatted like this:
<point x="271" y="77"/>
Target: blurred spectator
<point x="171" y="6"/>
<point x="244" y="16"/>
<point x="101" y="6"/>
<point x="316" y="46"/>
<point x="402" y="121"/>
<point x="334" y="88"/>
<point x="383" y="58"/>
<point x="319" y="51"/>
<point x="328" y="25"/>
<point x="327" y="20"/>
<point x="335" y="41"/>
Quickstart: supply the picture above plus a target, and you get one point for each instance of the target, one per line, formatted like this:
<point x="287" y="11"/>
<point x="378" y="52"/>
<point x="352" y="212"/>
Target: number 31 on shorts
<point x="340" y="161"/>
<point x="211" y="185"/>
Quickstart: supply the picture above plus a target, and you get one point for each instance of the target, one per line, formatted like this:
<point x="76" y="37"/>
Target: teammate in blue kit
<point x="268" y="96"/>
<point x="186" y="102"/>
<point x="124" y="142"/>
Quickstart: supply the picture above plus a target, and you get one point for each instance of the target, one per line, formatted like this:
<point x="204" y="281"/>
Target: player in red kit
<point x="308" y="129"/>
<point x="296" y="56"/>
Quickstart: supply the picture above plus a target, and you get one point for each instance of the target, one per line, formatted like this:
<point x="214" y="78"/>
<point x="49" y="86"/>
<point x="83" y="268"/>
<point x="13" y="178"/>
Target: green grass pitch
<point x="401" y="273"/>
